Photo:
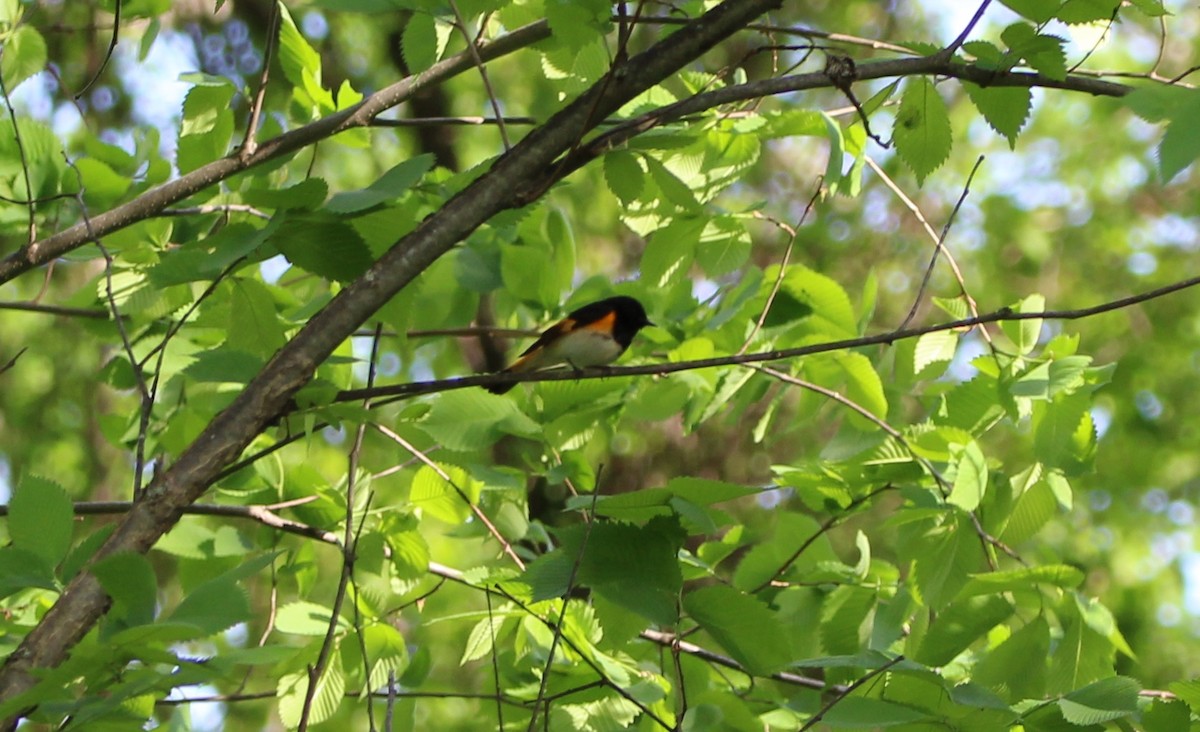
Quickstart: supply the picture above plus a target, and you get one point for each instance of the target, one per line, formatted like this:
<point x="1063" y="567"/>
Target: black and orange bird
<point x="593" y="335"/>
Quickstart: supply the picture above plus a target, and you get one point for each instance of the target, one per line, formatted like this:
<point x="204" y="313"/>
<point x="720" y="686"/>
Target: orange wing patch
<point x="532" y="357"/>
<point x="603" y="325"/>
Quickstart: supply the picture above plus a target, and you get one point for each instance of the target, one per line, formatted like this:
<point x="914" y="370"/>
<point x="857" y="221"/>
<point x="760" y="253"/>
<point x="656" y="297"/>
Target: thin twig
<point x="562" y="613"/>
<point x="950" y="50"/>
<point x="12" y="361"/>
<point x="214" y="208"/>
<point x="939" y="240"/>
<point x="112" y="46"/>
<point x="473" y="48"/>
<point x="825" y="526"/>
<point x="487" y="596"/>
<point x="475" y="509"/>
<point x="12" y="114"/>
<point x="263" y="514"/>
<point x="398" y="392"/>
<point x="783" y="264"/>
<point x="250" y="143"/>
<point x="849" y="689"/>
<point x="35" y="307"/>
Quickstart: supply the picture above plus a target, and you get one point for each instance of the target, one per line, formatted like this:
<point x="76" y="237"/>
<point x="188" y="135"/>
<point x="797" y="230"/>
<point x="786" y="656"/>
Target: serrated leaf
<point x="24" y="56"/>
<point x="296" y="56"/>
<point x="448" y="500"/>
<point x="479" y="642"/>
<point x="41" y="519"/>
<point x="387" y="652"/>
<point x="922" y="129"/>
<point x="1102" y="701"/>
<point x="742" y="625"/>
<point x="1055" y="575"/>
<point x="959" y="626"/>
<point x="224" y="366"/>
<point x="254" y="324"/>
<point x="390" y="186"/>
<point x="325" y="247"/>
<point x="214" y="606"/>
<point x="857" y="712"/>
<point x="624" y="175"/>
<point x="424" y="41"/>
<point x="1036" y="10"/>
<point x="970" y="482"/>
<point x="1016" y="669"/>
<point x="305" y="195"/>
<point x="670" y="252"/>
<point x="305" y="618"/>
<point x="1087" y="11"/>
<point x="292" y="689"/>
<point x="1006" y="109"/>
<point x="129" y="580"/>
<point x="947" y="555"/>
<point x="933" y="348"/>
<point x="1025" y="333"/>
<point x="471" y="419"/>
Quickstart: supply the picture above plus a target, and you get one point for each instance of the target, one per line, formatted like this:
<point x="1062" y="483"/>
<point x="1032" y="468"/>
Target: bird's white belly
<point x="584" y="348"/>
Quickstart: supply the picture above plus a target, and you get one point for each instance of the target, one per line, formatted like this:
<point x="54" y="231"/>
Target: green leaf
<point x="305" y="618"/>
<point x="305" y="195"/>
<point x="254" y="324"/>
<point x="214" y="606"/>
<point x="624" y="175"/>
<point x="960" y="625"/>
<point x="296" y="56"/>
<point x="1087" y="11"/>
<point x="1036" y="10"/>
<point x="667" y="259"/>
<point x="724" y="246"/>
<point x="293" y="688"/>
<point x="1026" y="578"/>
<point x="387" y="652"/>
<point x="1064" y="435"/>
<point x="1166" y="716"/>
<point x="1016" y="669"/>
<point x="1179" y="149"/>
<point x="424" y="40"/>
<point x="742" y="625"/>
<point x="936" y="348"/>
<point x="1025" y="333"/>
<point x="922" y="129"/>
<point x="1006" y="109"/>
<point x="442" y="499"/>
<point x="24" y="56"/>
<point x="1043" y="52"/>
<point x="325" y="247"/>
<point x="479" y="642"/>
<point x="224" y="366"/>
<point x="1103" y="701"/>
<point x="472" y="419"/>
<point x="41" y="519"/>
<point x="577" y="22"/>
<point x="768" y="558"/>
<point x="21" y="570"/>
<point x="635" y="567"/>
<point x="948" y="555"/>
<point x="129" y="580"/>
<point x="970" y="482"/>
<point x="857" y="712"/>
<point x="390" y="186"/>
<point x="863" y="387"/>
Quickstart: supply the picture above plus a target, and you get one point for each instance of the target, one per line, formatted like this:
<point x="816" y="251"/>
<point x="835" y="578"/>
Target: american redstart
<point x="594" y="335"/>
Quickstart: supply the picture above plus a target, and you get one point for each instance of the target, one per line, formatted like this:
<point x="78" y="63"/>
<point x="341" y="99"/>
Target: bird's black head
<point x="630" y="312"/>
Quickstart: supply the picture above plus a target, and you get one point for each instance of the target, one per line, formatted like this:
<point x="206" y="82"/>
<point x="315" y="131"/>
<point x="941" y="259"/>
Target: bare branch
<point x="405" y="391"/>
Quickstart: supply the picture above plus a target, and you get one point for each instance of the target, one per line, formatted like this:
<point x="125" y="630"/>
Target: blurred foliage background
<point x="1075" y="209"/>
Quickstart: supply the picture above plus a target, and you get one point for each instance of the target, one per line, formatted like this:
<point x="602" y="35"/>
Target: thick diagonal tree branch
<point x="84" y="600"/>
